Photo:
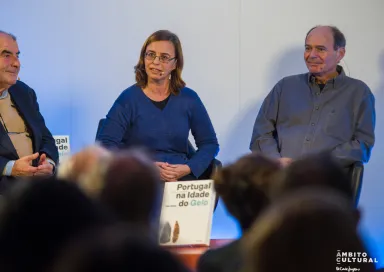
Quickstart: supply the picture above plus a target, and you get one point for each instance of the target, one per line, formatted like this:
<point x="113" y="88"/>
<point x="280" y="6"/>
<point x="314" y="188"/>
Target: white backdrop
<point x="79" y="56"/>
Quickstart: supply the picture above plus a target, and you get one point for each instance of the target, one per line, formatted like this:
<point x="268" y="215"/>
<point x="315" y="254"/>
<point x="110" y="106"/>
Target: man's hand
<point x="284" y="162"/>
<point x="172" y="172"/>
<point x="23" y="166"/>
<point x="44" y="168"/>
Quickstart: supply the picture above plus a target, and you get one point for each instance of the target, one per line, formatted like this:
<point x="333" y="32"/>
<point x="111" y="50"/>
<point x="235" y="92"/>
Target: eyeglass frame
<point x="146" y="55"/>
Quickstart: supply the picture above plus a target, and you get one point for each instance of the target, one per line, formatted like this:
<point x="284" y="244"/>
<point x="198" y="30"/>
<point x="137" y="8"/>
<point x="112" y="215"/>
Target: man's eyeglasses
<point x="151" y="56"/>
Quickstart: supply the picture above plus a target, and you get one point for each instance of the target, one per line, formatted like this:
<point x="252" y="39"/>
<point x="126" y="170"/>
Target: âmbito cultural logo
<point x="353" y="257"/>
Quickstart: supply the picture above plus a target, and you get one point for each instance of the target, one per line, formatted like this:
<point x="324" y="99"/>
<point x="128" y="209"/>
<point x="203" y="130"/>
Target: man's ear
<point x="340" y="53"/>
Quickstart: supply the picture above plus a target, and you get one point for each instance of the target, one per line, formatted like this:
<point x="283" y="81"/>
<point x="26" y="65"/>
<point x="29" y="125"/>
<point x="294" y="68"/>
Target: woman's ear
<point x="174" y="65"/>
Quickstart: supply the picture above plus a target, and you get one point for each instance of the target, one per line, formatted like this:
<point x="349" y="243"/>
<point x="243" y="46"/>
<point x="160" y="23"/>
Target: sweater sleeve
<point x="115" y="126"/>
<point x="205" y="138"/>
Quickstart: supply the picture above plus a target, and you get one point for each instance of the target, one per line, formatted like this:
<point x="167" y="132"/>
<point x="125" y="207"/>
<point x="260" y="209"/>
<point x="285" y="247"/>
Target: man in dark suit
<point x="27" y="147"/>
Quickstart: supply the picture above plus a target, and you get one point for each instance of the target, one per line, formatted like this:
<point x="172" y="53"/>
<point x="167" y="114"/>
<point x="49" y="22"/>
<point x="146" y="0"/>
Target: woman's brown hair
<point x="177" y="82"/>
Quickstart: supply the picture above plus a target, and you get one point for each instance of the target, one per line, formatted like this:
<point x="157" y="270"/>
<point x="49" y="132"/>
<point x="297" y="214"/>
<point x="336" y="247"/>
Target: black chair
<point x="356" y="172"/>
<point x="209" y="172"/>
<point x="99" y="126"/>
<point x="212" y="168"/>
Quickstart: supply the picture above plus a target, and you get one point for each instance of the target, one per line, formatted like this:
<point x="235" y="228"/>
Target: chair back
<point x="99" y="126"/>
<point x="356" y="175"/>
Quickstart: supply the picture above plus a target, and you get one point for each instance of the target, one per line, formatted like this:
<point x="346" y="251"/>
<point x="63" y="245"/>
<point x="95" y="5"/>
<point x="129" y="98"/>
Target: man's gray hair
<point x="9" y="34"/>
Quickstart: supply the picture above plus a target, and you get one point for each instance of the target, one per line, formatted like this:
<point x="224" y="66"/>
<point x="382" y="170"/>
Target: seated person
<point x="322" y="110"/>
<point x="315" y="170"/>
<point x="306" y="230"/>
<point x="38" y="218"/>
<point x="159" y="111"/>
<point x="121" y="247"/>
<point x="244" y="187"/>
<point x="27" y="147"/>
<point x="126" y="183"/>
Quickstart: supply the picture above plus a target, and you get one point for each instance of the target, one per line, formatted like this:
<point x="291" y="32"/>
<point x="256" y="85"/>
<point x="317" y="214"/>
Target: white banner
<point x="62" y="144"/>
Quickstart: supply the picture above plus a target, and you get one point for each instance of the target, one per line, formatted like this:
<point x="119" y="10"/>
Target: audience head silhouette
<point x="244" y="186"/>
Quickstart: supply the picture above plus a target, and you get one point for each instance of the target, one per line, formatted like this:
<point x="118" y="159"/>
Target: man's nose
<point x="313" y="53"/>
<point x="16" y="62"/>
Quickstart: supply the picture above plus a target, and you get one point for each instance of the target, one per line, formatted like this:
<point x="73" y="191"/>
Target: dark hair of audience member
<point x="304" y="231"/>
<point x="244" y="186"/>
<point x="38" y="217"/>
<point x="132" y="187"/>
<point x="319" y="170"/>
<point x="118" y="249"/>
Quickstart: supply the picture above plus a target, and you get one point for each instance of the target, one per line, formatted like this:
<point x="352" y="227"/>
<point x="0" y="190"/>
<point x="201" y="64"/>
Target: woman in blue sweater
<point x="159" y="111"/>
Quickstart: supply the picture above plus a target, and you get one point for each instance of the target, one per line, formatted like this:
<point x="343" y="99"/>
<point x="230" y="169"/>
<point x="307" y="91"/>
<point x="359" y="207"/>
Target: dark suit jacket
<point x="24" y="98"/>
<point x="224" y="259"/>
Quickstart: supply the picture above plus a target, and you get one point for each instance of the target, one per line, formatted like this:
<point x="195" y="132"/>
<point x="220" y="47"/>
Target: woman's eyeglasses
<point x="151" y="56"/>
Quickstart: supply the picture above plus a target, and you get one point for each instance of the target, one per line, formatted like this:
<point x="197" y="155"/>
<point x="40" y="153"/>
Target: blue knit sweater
<point x="134" y="120"/>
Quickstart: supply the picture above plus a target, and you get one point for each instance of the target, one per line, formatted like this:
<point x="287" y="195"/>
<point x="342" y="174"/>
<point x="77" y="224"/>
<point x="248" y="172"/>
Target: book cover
<point x="186" y="214"/>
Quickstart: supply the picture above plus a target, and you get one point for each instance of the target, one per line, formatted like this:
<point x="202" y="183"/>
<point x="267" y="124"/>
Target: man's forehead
<point x="6" y="42"/>
<point x="320" y="34"/>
